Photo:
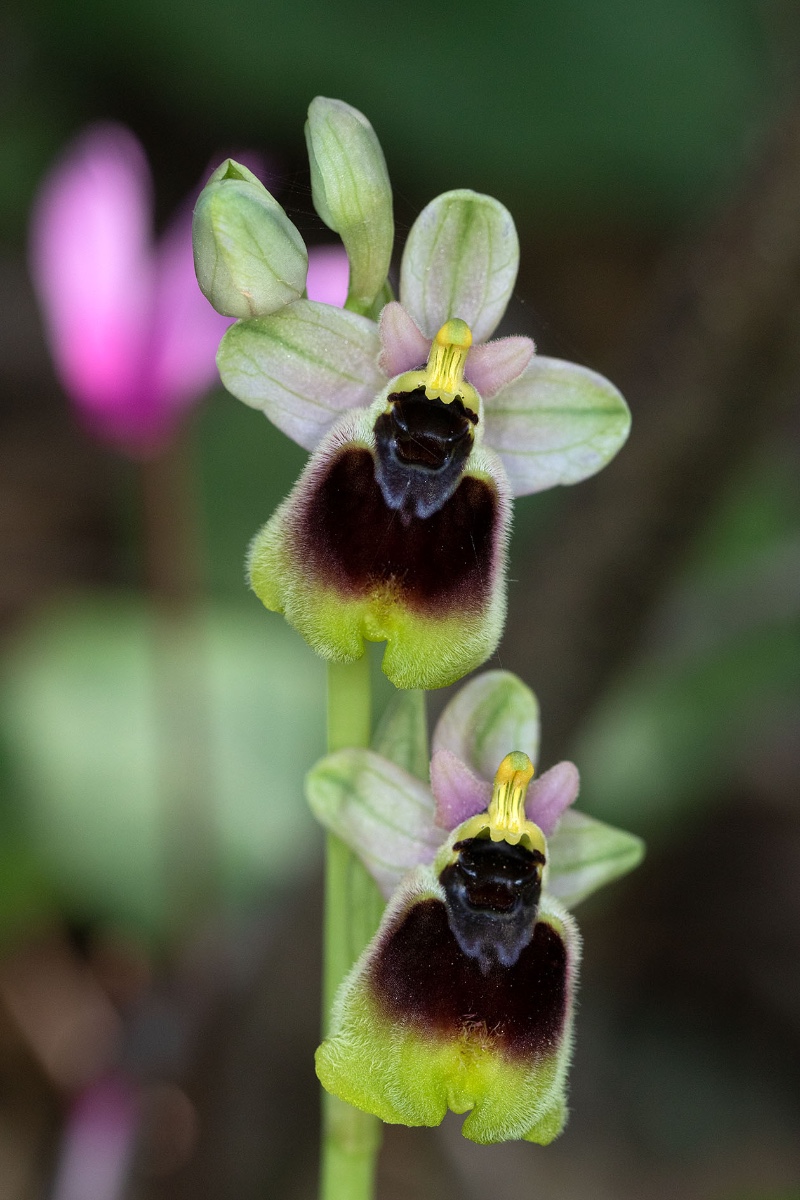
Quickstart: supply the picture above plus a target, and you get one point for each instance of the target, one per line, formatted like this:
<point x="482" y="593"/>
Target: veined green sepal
<point x="249" y="258"/>
<point x="460" y="260"/>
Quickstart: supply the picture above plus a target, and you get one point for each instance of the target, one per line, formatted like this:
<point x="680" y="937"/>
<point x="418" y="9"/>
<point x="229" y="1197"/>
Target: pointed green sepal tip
<point x="586" y="855"/>
<point x="249" y="258"/>
<point x="418" y="1027"/>
<point x="352" y="194"/>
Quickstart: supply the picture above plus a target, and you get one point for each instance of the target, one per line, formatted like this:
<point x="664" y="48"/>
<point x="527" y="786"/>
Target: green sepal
<point x="585" y="854"/>
<point x="556" y="423"/>
<point x="249" y="258"/>
<point x="379" y="809"/>
<point x="460" y="260"/>
<point x="402" y="733"/>
<point x="493" y="713"/>
<point x="352" y="194"/>
<point x="303" y="366"/>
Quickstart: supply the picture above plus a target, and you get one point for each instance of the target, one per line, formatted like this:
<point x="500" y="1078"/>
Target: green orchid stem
<point x="353" y="907"/>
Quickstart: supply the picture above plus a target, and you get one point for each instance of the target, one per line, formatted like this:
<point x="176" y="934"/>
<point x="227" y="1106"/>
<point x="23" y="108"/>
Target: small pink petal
<point x="90" y="261"/>
<point x="494" y="364"/>
<point x="328" y="275"/>
<point x="404" y="345"/>
<point x="551" y="794"/>
<point x="458" y="792"/>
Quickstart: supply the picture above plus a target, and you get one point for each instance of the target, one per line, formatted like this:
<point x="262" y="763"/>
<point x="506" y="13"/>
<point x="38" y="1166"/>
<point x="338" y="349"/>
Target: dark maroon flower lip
<point x="421" y="978"/>
<point x="350" y="539"/>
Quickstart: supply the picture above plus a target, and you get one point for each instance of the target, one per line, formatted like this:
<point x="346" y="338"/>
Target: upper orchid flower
<point x="464" y="998"/>
<point x="131" y="335"/>
<point x="421" y="429"/>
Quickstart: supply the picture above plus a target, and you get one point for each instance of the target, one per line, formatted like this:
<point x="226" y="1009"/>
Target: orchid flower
<point x="421" y="429"/>
<point x="464" y="997"/>
<point x="132" y="337"/>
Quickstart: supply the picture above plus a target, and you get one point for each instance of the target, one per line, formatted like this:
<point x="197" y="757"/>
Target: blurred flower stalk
<point x="133" y="341"/>
<point x="421" y="431"/>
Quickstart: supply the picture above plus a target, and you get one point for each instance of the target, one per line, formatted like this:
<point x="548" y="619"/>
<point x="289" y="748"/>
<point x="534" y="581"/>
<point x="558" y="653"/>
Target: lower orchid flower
<point x="464" y="998"/>
<point x="421" y="429"/>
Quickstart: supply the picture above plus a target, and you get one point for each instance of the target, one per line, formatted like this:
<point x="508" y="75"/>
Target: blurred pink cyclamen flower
<point x="132" y="337"/>
<point x="328" y="274"/>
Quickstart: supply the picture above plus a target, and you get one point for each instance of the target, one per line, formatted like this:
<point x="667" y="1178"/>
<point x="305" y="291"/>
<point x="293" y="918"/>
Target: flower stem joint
<point x="464" y="998"/>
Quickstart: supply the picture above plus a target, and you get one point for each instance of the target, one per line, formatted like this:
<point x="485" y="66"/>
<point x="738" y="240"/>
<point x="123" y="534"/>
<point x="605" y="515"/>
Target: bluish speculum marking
<point x="422" y="445"/>
<point x="492" y="892"/>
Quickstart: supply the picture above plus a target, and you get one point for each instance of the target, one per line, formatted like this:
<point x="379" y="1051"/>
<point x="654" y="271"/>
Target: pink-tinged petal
<point x="92" y="270"/>
<point x="494" y="364"/>
<point x="328" y="275"/>
<point x="458" y="792"/>
<point x="403" y="345"/>
<point x="185" y="329"/>
<point x="98" y="1143"/>
<point x="489" y="717"/>
<point x="551" y="794"/>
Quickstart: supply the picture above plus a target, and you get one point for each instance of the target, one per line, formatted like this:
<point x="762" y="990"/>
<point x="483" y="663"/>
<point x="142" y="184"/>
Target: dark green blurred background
<point x="615" y="132"/>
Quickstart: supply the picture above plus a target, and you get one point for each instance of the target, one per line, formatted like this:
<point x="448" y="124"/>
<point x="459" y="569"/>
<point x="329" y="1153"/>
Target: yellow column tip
<point x="455" y="332"/>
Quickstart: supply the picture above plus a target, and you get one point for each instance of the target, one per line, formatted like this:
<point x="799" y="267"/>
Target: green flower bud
<point x="249" y="258"/>
<point x="352" y="194"/>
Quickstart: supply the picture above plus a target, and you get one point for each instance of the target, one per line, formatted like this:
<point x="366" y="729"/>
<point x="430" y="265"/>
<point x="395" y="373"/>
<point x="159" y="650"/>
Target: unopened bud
<point x="352" y="194"/>
<point x="249" y="258"/>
